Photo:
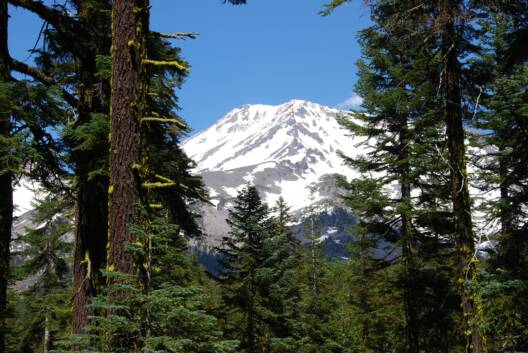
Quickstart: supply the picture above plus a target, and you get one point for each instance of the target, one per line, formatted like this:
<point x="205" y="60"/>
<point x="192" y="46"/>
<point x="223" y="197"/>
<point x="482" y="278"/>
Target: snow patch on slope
<point x="24" y="196"/>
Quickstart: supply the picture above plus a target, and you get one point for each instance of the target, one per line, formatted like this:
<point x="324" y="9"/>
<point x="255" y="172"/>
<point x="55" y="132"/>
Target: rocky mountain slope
<point x="289" y="150"/>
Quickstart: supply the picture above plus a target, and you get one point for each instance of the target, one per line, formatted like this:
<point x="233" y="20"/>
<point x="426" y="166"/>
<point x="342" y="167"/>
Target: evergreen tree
<point x="86" y="139"/>
<point x="317" y="302"/>
<point x="6" y="168"/>
<point x="80" y="49"/>
<point x="43" y="309"/>
<point x="243" y="254"/>
<point x="281" y="274"/>
<point x="452" y="40"/>
<point x="27" y="147"/>
<point x="502" y="173"/>
<point x="6" y="173"/>
<point x="164" y="309"/>
<point x="402" y="133"/>
<point x="79" y="46"/>
<point x="72" y="48"/>
<point x="445" y="28"/>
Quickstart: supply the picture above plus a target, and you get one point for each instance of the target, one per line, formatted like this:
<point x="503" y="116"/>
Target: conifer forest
<point x="111" y="258"/>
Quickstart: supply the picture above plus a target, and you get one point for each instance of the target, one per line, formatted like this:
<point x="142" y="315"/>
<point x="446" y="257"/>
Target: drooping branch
<point x="42" y="77"/>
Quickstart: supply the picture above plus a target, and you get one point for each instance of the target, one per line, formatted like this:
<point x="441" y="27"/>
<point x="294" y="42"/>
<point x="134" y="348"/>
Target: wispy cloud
<point x="353" y="101"/>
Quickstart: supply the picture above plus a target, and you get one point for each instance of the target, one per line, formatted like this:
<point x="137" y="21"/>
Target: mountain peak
<point x="284" y="150"/>
<point x="298" y="102"/>
<point x="295" y="132"/>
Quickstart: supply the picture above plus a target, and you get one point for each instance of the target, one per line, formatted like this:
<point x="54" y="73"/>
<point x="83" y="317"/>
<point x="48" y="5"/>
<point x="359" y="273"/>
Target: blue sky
<point x="268" y="51"/>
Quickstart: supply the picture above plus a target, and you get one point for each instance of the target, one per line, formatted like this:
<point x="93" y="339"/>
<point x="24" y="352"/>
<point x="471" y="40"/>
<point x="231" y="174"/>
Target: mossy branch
<point x="164" y="120"/>
<point x="173" y="64"/>
<point x="164" y="183"/>
<point x="157" y="185"/>
<point x="178" y="35"/>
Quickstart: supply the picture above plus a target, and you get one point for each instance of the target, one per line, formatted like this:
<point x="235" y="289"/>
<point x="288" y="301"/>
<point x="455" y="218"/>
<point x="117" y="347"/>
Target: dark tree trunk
<point x="459" y="180"/>
<point x="129" y="28"/>
<point x="90" y="248"/>
<point x="6" y="182"/>
<point x="6" y="220"/>
<point x="91" y="231"/>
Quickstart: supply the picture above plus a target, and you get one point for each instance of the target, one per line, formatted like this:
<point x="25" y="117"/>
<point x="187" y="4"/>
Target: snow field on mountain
<point x="301" y="136"/>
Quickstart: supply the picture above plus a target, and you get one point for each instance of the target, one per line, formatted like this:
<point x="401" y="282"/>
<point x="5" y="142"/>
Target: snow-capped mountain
<point x="284" y="150"/>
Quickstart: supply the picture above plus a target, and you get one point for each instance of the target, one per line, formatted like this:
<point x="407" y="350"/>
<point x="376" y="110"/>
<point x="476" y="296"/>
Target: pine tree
<point x="401" y="130"/>
<point x="43" y="308"/>
<point x="445" y="28"/>
<point x="87" y="138"/>
<point x="71" y="50"/>
<point x="502" y="172"/>
<point x="449" y="15"/>
<point x="26" y="147"/>
<point x="316" y="303"/>
<point x="280" y="270"/>
<point x="164" y="310"/>
<point x="81" y="49"/>
<point x="243" y="256"/>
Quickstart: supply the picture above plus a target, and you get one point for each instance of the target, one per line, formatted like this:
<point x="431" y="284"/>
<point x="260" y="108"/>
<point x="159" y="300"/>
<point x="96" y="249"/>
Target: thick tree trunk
<point x="90" y="248"/>
<point x="129" y="28"/>
<point x="459" y="180"/>
<point x="6" y="182"/>
<point x="91" y="231"/>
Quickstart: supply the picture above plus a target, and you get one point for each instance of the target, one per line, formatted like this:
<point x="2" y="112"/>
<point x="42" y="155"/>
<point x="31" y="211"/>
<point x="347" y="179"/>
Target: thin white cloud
<point x="353" y="101"/>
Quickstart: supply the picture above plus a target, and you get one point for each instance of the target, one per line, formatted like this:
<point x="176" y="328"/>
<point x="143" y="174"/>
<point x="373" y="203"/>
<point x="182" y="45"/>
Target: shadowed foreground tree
<point x="6" y="175"/>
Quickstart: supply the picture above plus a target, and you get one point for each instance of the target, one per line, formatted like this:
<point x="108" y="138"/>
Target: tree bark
<point x="458" y="165"/>
<point x="90" y="248"/>
<point x="91" y="232"/>
<point x="129" y="28"/>
<point x="6" y="181"/>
